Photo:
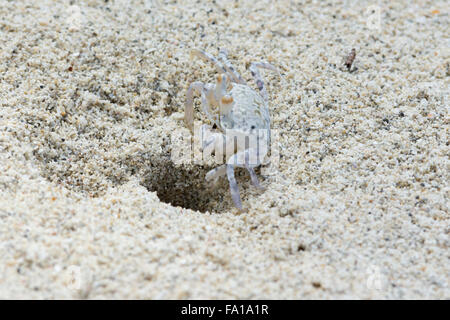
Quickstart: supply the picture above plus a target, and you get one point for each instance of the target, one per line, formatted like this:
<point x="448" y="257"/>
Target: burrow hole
<point x="185" y="186"/>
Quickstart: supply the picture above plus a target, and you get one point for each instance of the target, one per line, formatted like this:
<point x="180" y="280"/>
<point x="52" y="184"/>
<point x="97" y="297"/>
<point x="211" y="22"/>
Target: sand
<point x="92" y="205"/>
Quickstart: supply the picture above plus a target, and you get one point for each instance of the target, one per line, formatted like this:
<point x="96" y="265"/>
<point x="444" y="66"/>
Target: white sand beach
<point x="92" y="205"/>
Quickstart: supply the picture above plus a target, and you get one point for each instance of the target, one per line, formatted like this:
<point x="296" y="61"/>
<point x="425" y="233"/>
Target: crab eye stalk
<point x="226" y="103"/>
<point x="227" y="99"/>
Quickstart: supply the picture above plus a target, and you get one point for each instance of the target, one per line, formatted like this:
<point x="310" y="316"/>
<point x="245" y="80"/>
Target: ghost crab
<point x="240" y="114"/>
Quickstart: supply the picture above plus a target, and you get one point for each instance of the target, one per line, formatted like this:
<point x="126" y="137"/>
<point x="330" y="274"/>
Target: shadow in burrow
<point x="185" y="186"/>
<point x="178" y="185"/>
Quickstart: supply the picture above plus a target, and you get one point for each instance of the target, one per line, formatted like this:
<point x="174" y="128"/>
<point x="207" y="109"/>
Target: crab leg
<point x="234" y="189"/>
<point x="254" y="178"/>
<point x="255" y="73"/>
<point x="215" y="173"/>
<point x="246" y="158"/>
<point x="208" y="92"/>
<point x="208" y="57"/>
<point x="223" y="55"/>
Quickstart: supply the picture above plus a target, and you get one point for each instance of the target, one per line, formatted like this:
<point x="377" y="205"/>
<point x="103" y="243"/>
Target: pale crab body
<point x="241" y="115"/>
<point x="249" y="111"/>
